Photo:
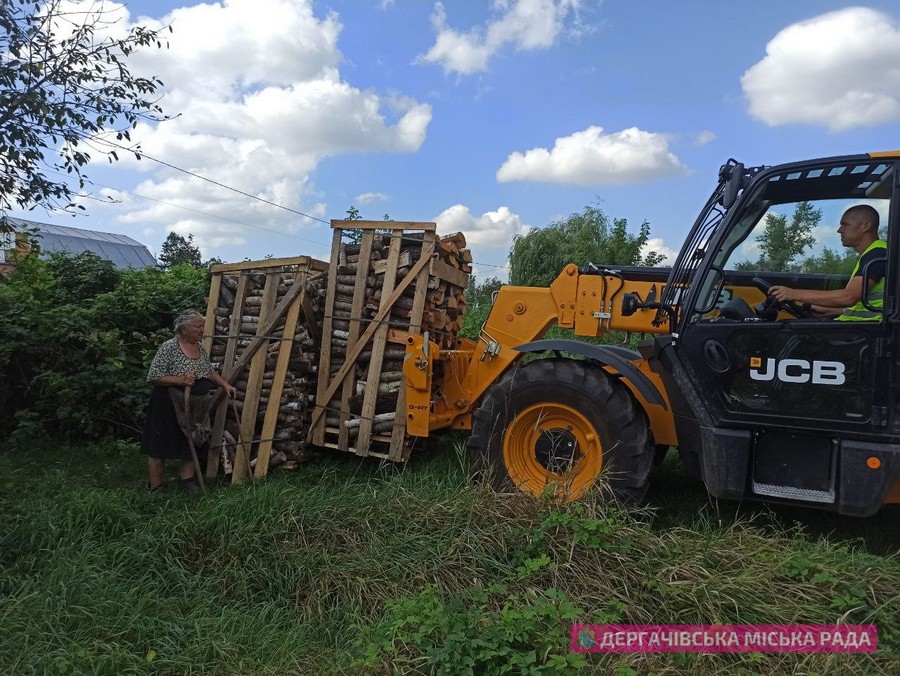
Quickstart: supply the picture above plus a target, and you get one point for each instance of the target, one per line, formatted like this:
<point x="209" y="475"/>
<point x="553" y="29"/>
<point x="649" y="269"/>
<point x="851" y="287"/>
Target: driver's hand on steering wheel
<point x="782" y="293"/>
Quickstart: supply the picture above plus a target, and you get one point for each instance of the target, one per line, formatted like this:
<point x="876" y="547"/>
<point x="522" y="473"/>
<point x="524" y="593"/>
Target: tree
<point x="479" y="299"/>
<point x="537" y="258"/>
<point x="177" y="250"/>
<point x="65" y="86"/>
<point x="831" y="262"/>
<point x="781" y="244"/>
<point x="353" y="236"/>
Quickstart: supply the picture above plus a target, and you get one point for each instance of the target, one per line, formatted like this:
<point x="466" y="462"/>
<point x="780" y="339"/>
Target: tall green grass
<point x="347" y="566"/>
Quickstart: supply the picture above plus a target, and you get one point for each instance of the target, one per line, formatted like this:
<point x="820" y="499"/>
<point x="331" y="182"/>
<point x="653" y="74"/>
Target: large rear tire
<point x="559" y="425"/>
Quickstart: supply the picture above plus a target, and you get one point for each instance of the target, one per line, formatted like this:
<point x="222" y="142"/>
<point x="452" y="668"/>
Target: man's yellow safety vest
<point x="875" y="296"/>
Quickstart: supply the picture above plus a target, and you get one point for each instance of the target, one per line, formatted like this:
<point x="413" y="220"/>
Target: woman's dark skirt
<point x="162" y="437"/>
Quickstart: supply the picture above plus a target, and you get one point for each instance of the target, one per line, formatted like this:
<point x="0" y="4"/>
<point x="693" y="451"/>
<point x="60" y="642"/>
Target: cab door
<point x="795" y="374"/>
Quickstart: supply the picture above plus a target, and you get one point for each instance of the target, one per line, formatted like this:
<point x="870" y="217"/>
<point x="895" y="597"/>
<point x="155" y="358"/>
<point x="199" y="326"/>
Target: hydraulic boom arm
<point x="589" y="304"/>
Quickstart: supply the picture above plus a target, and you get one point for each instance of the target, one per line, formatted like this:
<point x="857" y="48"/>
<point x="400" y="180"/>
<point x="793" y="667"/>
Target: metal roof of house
<point x="121" y="250"/>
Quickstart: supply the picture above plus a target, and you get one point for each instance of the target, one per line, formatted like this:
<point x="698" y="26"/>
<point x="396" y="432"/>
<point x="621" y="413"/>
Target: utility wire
<point x="236" y="190"/>
<point x="141" y="154"/>
<point x="207" y="214"/>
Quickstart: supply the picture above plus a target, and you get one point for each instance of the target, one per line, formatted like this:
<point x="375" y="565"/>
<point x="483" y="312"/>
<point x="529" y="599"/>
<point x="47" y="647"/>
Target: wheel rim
<point x="552" y="445"/>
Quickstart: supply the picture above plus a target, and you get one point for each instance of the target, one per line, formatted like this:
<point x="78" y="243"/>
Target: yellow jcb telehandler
<point x="763" y="400"/>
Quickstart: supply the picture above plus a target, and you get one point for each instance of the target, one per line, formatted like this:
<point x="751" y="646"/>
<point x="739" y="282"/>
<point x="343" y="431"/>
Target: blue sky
<point x="489" y="117"/>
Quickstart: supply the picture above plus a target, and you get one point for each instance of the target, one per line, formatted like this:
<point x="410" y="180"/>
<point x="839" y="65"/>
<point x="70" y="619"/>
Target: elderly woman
<point x="179" y="363"/>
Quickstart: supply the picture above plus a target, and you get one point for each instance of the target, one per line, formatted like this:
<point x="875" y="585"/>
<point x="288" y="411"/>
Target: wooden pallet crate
<point x="375" y="298"/>
<point x="264" y="308"/>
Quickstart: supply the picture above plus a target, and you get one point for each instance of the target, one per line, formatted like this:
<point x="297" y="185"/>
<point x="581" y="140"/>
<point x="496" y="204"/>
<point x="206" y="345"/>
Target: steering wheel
<point x="798" y="310"/>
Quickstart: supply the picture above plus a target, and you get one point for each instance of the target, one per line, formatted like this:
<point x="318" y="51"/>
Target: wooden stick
<point x="240" y="439"/>
<point x="190" y="438"/>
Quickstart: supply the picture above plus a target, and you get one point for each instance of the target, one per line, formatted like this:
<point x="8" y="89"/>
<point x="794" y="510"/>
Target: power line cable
<point x="141" y="154"/>
<point x="206" y="213"/>
<point x="238" y="191"/>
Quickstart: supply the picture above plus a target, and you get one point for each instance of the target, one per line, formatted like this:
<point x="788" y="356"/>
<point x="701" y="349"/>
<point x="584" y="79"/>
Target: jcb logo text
<point x="798" y="371"/>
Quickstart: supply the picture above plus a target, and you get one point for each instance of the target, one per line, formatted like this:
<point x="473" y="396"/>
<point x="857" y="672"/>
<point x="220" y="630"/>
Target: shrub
<point x="76" y="340"/>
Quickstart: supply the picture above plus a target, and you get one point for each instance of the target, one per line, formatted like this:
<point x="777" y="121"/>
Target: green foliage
<point x="79" y="278"/>
<point x="177" y="250"/>
<point x="77" y="338"/>
<point x="537" y="258"/>
<point x="351" y="235"/>
<point x="63" y="85"/>
<point x="482" y="630"/>
<point x="781" y="245"/>
<point x="590" y="532"/>
<point x="831" y="262"/>
<point x="479" y="300"/>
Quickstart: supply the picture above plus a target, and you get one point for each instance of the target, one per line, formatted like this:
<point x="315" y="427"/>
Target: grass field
<point x="347" y="566"/>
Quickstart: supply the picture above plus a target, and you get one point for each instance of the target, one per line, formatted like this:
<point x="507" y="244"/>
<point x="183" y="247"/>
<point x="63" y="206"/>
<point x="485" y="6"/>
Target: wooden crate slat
<point x="312" y="323"/>
<point x="359" y="298"/>
<point x="318" y="431"/>
<point x="212" y="302"/>
<point x="254" y="380"/>
<point x="379" y="342"/>
<point x="302" y="261"/>
<point x="383" y="225"/>
<point x="267" y="434"/>
<point x="209" y="328"/>
<point x="234" y="325"/>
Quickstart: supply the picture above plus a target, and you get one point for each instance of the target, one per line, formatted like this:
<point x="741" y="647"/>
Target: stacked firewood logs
<point x="446" y="305"/>
<point x="288" y="444"/>
<point x="391" y="371"/>
<point x="340" y="383"/>
<point x="370" y="388"/>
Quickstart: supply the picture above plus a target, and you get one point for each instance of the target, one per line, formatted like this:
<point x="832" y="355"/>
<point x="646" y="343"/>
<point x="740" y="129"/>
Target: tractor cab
<point x="772" y="401"/>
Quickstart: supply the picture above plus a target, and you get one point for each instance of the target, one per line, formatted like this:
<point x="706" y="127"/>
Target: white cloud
<point x="591" y="157"/>
<point x="367" y="197"/>
<point x="705" y="137"/>
<point x="837" y="70"/>
<point x="826" y="235"/>
<point x="260" y="101"/>
<point x="659" y="246"/>
<point x="523" y="24"/>
<point x="493" y="229"/>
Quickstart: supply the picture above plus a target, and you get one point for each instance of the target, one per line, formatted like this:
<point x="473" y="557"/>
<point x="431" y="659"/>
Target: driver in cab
<point x="859" y="231"/>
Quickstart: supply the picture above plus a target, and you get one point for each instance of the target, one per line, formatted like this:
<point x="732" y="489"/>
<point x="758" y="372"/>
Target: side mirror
<point x="732" y="175"/>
